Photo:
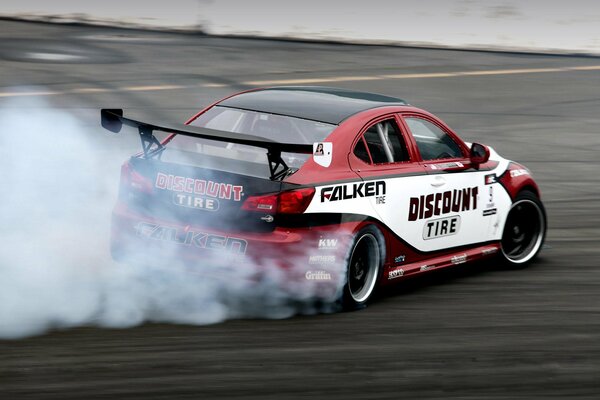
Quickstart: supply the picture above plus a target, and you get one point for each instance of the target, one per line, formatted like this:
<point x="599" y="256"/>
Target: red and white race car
<point x="322" y="181"/>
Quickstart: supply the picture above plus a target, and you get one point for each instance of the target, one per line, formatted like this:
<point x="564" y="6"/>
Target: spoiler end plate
<point x="110" y="118"/>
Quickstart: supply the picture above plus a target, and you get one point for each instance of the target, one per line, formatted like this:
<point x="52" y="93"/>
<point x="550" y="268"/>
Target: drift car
<point x="323" y="181"/>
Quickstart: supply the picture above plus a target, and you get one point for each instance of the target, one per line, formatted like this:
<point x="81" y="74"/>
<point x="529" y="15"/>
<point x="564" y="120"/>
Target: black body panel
<point x="329" y="105"/>
<point x="202" y="202"/>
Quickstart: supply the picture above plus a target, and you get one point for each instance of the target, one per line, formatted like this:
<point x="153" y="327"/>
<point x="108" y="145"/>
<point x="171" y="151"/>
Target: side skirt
<point x="396" y="273"/>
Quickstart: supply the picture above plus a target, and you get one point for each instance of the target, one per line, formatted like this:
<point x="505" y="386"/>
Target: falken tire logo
<point x="353" y="191"/>
<point x="192" y="238"/>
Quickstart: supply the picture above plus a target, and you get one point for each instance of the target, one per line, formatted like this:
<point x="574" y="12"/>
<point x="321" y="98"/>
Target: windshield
<point x="251" y="160"/>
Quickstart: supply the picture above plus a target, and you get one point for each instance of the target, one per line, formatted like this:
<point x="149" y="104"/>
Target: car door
<point x="446" y="207"/>
<point x="388" y="162"/>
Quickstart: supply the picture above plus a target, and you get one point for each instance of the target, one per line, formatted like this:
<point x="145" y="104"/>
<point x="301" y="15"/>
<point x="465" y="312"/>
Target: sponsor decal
<point x="181" y="184"/>
<point x="435" y="204"/>
<point x="496" y="226"/>
<point x="318" y="276"/>
<point x="459" y="259"/>
<point x="491" y="195"/>
<point x="489" y="250"/>
<point x="201" y="240"/>
<point x="399" y="259"/>
<point x="447" y="165"/>
<point x="490" y="211"/>
<point x="327" y="244"/>
<point x="518" y="172"/>
<point x="202" y="203"/>
<point x="322" y="153"/>
<point x="321" y="259"/>
<point x="490" y="203"/>
<point x="396" y="273"/>
<point x="425" y="268"/>
<point x="318" y="149"/>
<point x="353" y="191"/>
<point x="489" y="179"/>
<point x="441" y="227"/>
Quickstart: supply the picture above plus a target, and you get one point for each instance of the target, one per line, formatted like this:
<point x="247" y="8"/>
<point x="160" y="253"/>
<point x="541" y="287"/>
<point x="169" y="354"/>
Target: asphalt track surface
<point x="471" y="332"/>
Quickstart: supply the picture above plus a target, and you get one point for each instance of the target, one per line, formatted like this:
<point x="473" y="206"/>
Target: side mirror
<point x="480" y="154"/>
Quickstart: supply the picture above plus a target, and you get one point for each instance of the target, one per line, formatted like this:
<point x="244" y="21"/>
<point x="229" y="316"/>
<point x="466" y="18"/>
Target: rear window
<point x="251" y="160"/>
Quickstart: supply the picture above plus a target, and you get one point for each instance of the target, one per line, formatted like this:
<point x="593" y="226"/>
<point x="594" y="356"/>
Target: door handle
<point x="438" y="181"/>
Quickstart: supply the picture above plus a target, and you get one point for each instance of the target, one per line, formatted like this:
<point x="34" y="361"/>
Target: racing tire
<point x="524" y="231"/>
<point x="364" y="268"/>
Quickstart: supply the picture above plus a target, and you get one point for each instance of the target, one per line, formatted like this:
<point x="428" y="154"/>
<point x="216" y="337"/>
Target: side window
<point x="360" y="151"/>
<point x="433" y="142"/>
<point x="382" y="143"/>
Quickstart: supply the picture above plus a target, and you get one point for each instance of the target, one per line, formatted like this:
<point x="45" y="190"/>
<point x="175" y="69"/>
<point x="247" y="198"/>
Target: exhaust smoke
<point x="59" y="183"/>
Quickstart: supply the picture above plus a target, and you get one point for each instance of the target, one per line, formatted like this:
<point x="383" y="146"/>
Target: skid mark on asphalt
<point x="304" y="81"/>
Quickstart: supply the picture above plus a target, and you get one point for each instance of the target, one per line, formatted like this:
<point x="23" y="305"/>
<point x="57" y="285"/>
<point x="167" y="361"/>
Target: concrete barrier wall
<point x="535" y="25"/>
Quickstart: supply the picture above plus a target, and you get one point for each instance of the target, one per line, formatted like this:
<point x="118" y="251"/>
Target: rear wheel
<point x="524" y="230"/>
<point x="365" y="262"/>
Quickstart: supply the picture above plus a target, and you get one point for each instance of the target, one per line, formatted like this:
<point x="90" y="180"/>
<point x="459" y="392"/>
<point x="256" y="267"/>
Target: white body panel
<point x="463" y="199"/>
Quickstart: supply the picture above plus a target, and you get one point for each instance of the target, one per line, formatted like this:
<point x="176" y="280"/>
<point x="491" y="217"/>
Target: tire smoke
<point x="59" y="182"/>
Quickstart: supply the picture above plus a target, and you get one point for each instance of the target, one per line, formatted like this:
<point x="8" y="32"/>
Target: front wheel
<point x="524" y="230"/>
<point x="365" y="261"/>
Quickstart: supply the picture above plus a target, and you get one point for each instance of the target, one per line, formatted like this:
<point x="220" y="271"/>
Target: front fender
<point x="517" y="178"/>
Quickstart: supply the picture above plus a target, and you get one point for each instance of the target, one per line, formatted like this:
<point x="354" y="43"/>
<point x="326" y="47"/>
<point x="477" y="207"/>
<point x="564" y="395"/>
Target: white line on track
<point x="149" y="88"/>
<point x="423" y="76"/>
<point x="305" y="81"/>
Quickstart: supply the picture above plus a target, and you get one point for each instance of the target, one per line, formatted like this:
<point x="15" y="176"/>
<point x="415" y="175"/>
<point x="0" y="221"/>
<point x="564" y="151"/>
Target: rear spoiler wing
<point x="113" y="120"/>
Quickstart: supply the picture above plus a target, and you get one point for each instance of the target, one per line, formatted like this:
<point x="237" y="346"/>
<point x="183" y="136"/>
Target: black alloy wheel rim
<point x="363" y="267"/>
<point x="523" y="232"/>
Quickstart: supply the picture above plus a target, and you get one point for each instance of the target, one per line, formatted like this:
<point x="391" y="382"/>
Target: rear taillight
<point x="290" y="202"/>
<point x="133" y="180"/>
<point x="295" y="201"/>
